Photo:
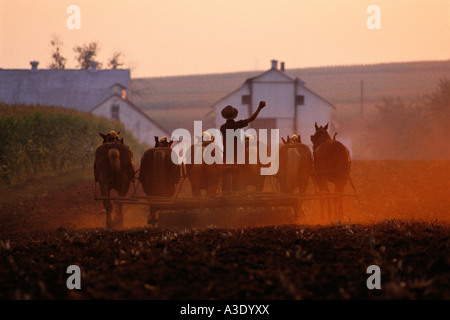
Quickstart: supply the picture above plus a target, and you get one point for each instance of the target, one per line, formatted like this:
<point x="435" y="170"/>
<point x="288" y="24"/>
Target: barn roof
<point x="283" y="75"/>
<point x="77" y="89"/>
<point x="133" y="106"/>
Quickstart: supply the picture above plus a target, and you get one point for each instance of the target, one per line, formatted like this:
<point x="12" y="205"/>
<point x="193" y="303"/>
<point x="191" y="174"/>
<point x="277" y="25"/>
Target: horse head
<point x="112" y="136"/>
<point x="295" y="138"/>
<point x="163" y="143"/>
<point x="321" y="135"/>
<point x="249" y="137"/>
<point x="206" y="136"/>
<point x="205" y="139"/>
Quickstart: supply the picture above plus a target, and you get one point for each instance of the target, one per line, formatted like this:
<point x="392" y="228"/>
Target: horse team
<point x="329" y="162"/>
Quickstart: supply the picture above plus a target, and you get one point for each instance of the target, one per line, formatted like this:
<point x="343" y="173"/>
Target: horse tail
<point x="306" y="163"/>
<point x="294" y="157"/>
<point x="346" y="159"/>
<point x="114" y="160"/>
<point x="292" y="169"/>
<point x="306" y="156"/>
<point x="159" y="168"/>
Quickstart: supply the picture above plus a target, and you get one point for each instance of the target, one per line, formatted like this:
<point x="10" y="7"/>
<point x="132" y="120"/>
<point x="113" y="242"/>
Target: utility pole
<point x="360" y="148"/>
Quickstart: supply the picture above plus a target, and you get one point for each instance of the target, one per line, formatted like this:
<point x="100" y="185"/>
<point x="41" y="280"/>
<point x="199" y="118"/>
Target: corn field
<point x="39" y="141"/>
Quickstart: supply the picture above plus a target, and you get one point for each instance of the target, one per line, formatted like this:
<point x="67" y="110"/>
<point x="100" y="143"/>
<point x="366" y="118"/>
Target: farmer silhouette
<point x="230" y="113"/>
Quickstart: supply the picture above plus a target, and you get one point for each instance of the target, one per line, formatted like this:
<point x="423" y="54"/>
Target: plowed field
<point x="400" y="224"/>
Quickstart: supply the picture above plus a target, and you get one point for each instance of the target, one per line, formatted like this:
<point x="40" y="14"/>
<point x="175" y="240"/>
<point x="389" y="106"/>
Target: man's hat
<point x="229" y="112"/>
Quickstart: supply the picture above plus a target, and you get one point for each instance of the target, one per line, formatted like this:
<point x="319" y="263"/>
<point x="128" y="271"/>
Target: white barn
<point x="291" y="107"/>
<point x="103" y="92"/>
<point x="119" y="108"/>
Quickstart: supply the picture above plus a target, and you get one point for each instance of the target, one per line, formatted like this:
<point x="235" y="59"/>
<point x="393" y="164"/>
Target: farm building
<point x="102" y="92"/>
<point x="120" y="108"/>
<point x="291" y="106"/>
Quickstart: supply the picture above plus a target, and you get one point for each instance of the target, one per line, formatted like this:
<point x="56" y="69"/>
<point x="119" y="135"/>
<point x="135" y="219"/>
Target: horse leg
<point x="323" y="187"/>
<point x="227" y="180"/>
<point x="152" y="217"/>
<point x="211" y="189"/>
<point x="326" y="189"/>
<point x="339" y="203"/>
<point x="105" y="191"/>
<point x="301" y="210"/>
<point x="125" y="186"/>
<point x="338" y="207"/>
<point x="118" y="222"/>
<point x="336" y="201"/>
<point x="322" y="204"/>
<point x="302" y="186"/>
<point x="196" y="190"/>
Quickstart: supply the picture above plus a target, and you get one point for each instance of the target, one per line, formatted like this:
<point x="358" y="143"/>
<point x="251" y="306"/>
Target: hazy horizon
<point x="187" y="37"/>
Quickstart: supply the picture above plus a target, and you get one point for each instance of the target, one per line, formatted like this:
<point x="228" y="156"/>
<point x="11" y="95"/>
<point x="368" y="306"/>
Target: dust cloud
<point x="413" y="190"/>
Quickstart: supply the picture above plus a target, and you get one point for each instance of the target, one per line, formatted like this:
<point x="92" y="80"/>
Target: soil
<point x="401" y="224"/>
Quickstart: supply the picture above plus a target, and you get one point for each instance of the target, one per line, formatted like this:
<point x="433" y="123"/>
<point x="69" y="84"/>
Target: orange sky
<point x="178" y="37"/>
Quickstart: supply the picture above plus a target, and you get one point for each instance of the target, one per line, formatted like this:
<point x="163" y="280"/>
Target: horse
<point x="292" y="139"/>
<point x="249" y="174"/>
<point x="296" y="166"/>
<point x="202" y="176"/>
<point x="113" y="169"/>
<point x="111" y="137"/>
<point x="332" y="164"/>
<point x="158" y="174"/>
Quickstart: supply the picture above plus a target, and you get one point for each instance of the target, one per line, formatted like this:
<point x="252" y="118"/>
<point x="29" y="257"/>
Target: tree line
<point x="84" y="55"/>
<point x="418" y="130"/>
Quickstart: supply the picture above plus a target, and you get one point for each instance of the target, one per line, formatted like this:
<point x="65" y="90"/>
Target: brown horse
<point x="331" y="164"/>
<point x="296" y="166"/>
<point x="248" y="175"/>
<point x="202" y="176"/>
<point x="113" y="169"/>
<point x="158" y="174"/>
<point x="112" y="136"/>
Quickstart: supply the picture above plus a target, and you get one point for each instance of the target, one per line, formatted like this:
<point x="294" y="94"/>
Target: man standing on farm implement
<point x="230" y="113"/>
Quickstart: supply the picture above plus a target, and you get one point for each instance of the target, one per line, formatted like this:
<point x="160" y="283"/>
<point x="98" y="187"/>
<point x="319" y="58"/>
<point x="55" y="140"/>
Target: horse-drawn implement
<point x="281" y="201"/>
<point x="224" y="210"/>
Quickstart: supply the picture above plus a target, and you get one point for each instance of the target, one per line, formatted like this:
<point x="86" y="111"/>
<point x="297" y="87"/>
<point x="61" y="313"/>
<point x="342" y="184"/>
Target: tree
<point x="437" y="115"/>
<point x="114" y="62"/>
<point x="58" y="62"/>
<point x="438" y="102"/>
<point x="389" y="133"/>
<point x="86" y="54"/>
<point x="415" y="131"/>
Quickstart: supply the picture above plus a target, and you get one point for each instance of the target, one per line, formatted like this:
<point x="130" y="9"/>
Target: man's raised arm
<point x="262" y="104"/>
